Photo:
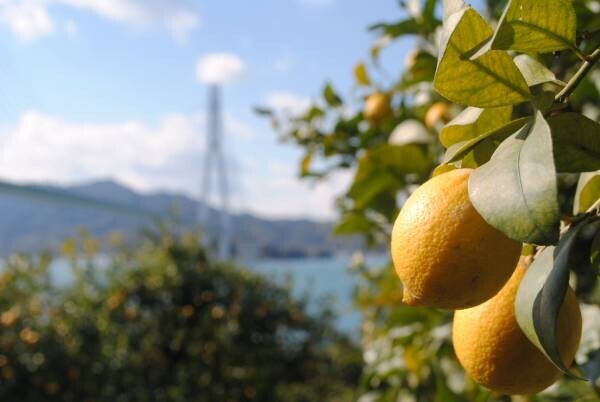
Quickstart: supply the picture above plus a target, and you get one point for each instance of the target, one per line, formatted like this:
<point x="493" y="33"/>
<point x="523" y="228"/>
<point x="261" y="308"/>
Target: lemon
<point x="496" y="353"/>
<point x="445" y="254"/>
<point x="377" y="107"/>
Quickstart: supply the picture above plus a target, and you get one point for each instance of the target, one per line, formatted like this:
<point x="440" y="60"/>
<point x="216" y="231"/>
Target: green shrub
<point x="162" y="322"/>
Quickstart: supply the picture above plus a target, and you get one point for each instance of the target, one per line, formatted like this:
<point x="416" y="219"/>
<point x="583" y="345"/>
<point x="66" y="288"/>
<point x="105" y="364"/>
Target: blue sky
<point x="111" y="88"/>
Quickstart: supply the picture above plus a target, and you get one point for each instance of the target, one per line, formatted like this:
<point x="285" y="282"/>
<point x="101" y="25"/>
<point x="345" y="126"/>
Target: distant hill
<point x="28" y="224"/>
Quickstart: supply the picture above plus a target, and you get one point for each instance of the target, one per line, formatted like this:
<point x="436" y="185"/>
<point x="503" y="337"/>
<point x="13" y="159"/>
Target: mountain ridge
<point x="29" y="224"/>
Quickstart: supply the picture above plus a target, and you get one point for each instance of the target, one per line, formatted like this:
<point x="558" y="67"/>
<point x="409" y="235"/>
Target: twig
<point x="579" y="75"/>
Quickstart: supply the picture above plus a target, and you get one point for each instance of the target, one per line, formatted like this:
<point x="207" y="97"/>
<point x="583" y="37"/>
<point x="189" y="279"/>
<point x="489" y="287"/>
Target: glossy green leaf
<point x="542" y="292"/>
<point x="536" y="26"/>
<point x="491" y="80"/>
<point x="533" y="71"/>
<point x="531" y="285"/>
<point x="473" y="122"/>
<point x="577" y="142"/>
<point x="460" y="149"/>
<point x="516" y="191"/>
<point x="587" y="193"/>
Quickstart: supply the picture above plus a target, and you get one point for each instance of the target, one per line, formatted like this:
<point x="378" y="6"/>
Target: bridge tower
<point x="215" y="167"/>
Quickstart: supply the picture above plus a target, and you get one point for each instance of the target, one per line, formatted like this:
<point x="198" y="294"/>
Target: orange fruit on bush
<point x="445" y="254"/>
<point x="377" y="107"/>
<point x="495" y="352"/>
<point x="439" y="112"/>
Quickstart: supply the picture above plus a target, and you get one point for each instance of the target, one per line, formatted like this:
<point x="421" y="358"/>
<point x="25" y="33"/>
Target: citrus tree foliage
<point x="511" y="91"/>
<point x="163" y="323"/>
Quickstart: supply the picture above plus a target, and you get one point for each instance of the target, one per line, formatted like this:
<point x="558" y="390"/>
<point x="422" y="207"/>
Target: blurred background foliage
<point x="161" y="322"/>
<point x="390" y="151"/>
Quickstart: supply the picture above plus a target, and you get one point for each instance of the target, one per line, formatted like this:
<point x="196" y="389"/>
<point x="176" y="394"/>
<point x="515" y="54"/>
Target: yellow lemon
<point x="496" y="353"/>
<point x="446" y="255"/>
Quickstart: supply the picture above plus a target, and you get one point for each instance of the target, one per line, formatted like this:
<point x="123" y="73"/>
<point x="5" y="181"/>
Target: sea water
<point x="323" y="280"/>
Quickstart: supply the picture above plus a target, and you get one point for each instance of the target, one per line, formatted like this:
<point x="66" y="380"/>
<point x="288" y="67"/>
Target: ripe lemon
<point x="496" y="353"/>
<point x="377" y="107"/>
<point x="446" y="255"/>
<point x="439" y="112"/>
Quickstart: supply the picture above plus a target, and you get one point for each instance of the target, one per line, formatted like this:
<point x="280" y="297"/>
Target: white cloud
<point x="282" y="194"/>
<point x="287" y="102"/>
<point x="164" y="156"/>
<point x="27" y="19"/>
<point x="181" y="23"/>
<point x="174" y="15"/>
<point x="220" y="68"/>
<point x="30" y="19"/>
<point x="46" y="148"/>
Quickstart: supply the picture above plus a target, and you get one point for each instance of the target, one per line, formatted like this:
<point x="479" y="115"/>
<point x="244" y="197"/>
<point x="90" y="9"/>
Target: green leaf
<point x="383" y="169"/>
<point x="533" y="71"/>
<point x="305" y="164"/>
<point x="472" y="122"/>
<point x="404" y="159"/>
<point x="422" y="68"/>
<point x="364" y="191"/>
<point x="491" y="80"/>
<point x="330" y="96"/>
<point x="479" y="154"/>
<point x="442" y="169"/>
<point x="460" y="149"/>
<point x="544" y="101"/>
<point x="380" y="44"/>
<point x="587" y="193"/>
<point x="542" y="292"/>
<point x="516" y="191"/>
<point x="361" y="74"/>
<point x="406" y="27"/>
<point x="536" y="26"/>
<point x="576" y="141"/>
<point x="353" y="223"/>
<point x="263" y="111"/>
